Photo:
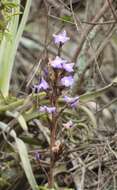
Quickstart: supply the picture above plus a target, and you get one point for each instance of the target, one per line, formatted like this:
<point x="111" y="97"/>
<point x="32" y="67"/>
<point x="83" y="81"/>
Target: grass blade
<point x="22" y="150"/>
<point x="8" y="48"/>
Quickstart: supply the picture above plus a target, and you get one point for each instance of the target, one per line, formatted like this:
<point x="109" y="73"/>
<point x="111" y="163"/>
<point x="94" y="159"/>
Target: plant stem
<point x="52" y="153"/>
<point x="53" y="100"/>
<point x="52" y="142"/>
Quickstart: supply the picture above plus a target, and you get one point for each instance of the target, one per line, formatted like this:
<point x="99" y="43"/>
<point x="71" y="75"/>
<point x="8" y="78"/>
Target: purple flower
<point x="67" y="81"/>
<point x="68" y="67"/>
<point x="58" y="63"/>
<point x="37" y="155"/>
<point x="71" y="101"/>
<point x="61" y="37"/>
<point x="47" y="109"/>
<point x="68" y="125"/>
<point x="42" y="86"/>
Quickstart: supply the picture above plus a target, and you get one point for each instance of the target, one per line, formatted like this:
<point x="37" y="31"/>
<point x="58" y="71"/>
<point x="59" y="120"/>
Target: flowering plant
<point x="59" y="127"/>
<point x="52" y="103"/>
<point x="58" y="79"/>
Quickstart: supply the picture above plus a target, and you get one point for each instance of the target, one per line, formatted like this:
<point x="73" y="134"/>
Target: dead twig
<point x="89" y="28"/>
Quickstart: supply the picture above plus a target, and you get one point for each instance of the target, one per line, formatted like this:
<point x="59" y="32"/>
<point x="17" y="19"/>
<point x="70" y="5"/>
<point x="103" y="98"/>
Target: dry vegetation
<point x="88" y="159"/>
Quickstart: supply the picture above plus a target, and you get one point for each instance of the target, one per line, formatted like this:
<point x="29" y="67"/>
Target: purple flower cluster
<point x="67" y="80"/>
<point x="59" y="74"/>
<point x="59" y="63"/>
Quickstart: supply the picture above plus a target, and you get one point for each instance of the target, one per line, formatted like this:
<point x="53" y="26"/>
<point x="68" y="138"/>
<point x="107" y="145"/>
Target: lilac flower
<point x="58" y="63"/>
<point x="42" y="86"/>
<point x="67" y="81"/>
<point x="37" y="155"/>
<point x="61" y="37"/>
<point x="72" y="101"/>
<point x="68" y="67"/>
<point x="47" y="109"/>
<point x="68" y="125"/>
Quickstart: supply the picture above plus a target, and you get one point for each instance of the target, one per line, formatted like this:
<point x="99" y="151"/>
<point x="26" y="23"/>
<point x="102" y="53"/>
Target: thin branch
<point x="83" y="21"/>
<point x="90" y="62"/>
<point x="112" y="9"/>
<point x="88" y="29"/>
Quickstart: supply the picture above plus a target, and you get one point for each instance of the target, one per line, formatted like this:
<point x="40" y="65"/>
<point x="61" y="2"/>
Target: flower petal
<point x="68" y="67"/>
<point x="58" y="63"/>
<point x="72" y="101"/>
<point x="42" y="86"/>
<point x="67" y="81"/>
<point x="61" y="37"/>
<point x="47" y="109"/>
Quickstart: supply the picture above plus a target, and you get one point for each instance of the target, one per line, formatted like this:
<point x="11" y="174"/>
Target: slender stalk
<point x="52" y="142"/>
<point x="54" y="100"/>
<point x="52" y="162"/>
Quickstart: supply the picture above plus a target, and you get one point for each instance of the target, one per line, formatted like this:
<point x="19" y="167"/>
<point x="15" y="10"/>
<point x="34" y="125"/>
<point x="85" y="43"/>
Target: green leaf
<point x="67" y="18"/>
<point x="95" y="94"/>
<point x="89" y="114"/>
<point x="10" y="5"/>
<point x="19" y="118"/>
<point x="22" y="122"/>
<point x="26" y="163"/>
<point x="7" y="53"/>
<point x="8" y="48"/>
<point x="22" y="150"/>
